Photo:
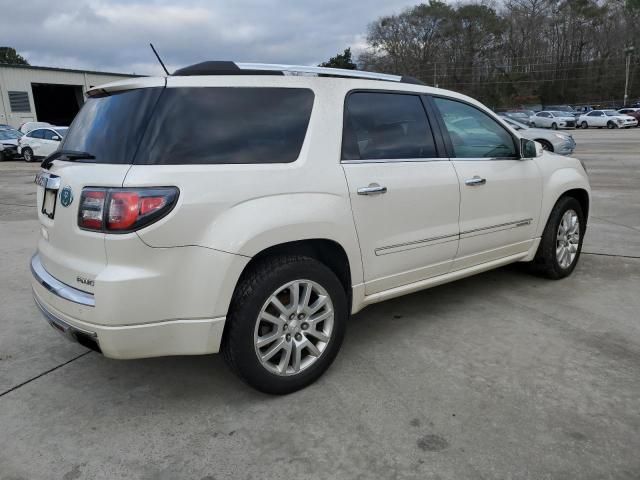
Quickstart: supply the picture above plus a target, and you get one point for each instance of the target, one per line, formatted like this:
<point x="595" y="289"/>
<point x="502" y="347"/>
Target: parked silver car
<point x="553" y="141"/>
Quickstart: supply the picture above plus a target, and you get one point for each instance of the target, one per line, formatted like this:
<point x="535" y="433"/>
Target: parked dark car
<point x="632" y="112"/>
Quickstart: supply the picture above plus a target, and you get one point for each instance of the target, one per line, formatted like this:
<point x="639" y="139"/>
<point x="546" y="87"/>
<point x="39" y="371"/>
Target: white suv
<point x="251" y="209"/>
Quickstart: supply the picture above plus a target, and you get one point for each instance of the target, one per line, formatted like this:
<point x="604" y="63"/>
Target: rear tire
<point x="27" y="154"/>
<point x="264" y="307"/>
<point x="561" y="242"/>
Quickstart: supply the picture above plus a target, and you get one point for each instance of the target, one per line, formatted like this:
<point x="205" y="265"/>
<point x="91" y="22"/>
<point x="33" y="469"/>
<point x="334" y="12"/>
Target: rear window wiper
<point x="66" y="155"/>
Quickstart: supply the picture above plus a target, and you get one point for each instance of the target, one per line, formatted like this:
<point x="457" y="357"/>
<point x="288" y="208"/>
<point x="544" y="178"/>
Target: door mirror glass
<point x="56" y="138"/>
<point x="529" y="148"/>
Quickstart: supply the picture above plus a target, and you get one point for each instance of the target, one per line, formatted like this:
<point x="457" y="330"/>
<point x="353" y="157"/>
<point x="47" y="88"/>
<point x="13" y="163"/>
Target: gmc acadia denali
<point x="251" y="208"/>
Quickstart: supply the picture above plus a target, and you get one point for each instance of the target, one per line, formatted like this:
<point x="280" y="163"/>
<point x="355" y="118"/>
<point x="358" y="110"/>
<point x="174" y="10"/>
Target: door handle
<point x="475" y="181"/>
<point x="372" y="189"/>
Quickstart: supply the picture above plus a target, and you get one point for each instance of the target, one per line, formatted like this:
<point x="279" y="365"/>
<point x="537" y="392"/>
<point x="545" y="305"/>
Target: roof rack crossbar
<point x="334" y="72"/>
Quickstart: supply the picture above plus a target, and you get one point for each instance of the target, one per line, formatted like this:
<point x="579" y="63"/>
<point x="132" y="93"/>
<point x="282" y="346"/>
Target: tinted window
<point x="227" y="125"/>
<point x="49" y="134"/>
<point x="386" y="126"/>
<point x="110" y="127"/>
<point x="36" y="134"/>
<point x="473" y="133"/>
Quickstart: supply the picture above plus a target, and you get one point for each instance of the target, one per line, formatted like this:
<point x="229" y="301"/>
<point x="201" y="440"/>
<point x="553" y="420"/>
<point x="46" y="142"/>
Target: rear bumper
<point x="154" y="339"/>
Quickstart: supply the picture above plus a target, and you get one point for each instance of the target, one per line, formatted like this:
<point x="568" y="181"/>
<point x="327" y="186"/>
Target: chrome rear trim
<point x="58" y="288"/>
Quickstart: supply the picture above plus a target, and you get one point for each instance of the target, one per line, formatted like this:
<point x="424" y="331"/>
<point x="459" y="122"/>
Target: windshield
<point x="610" y="113"/>
<point x="61" y="130"/>
<point x="9" y="134"/>
<point x="558" y="113"/>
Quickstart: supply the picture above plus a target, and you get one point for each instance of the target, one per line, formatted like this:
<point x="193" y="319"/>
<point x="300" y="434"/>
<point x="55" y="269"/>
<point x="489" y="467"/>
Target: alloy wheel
<point x="294" y="327"/>
<point x="567" y="239"/>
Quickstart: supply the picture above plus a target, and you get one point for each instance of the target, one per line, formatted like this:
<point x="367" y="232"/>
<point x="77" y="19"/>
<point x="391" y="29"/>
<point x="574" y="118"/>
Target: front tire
<point x="611" y="125"/>
<point x="585" y="125"/>
<point x="554" y="126"/>
<point x="286" y="323"/>
<point x="561" y="241"/>
<point x="27" y="154"/>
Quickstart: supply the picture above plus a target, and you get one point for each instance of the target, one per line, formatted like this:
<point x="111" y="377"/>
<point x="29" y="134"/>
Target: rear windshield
<point x="214" y="125"/>
<point x="110" y="127"/>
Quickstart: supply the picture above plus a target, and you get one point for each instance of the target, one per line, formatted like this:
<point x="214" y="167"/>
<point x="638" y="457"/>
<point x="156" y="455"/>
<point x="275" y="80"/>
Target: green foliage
<point x="9" y="56"/>
<point x="341" y="60"/>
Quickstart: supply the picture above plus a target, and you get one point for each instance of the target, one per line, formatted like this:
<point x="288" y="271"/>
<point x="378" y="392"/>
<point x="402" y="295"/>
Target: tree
<point x="341" y="60"/>
<point x="10" y="56"/>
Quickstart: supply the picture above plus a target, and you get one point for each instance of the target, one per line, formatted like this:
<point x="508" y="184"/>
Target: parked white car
<point x="606" y="118"/>
<point x="41" y="142"/>
<point x="557" y="142"/>
<point x="553" y="119"/>
<point x="252" y="214"/>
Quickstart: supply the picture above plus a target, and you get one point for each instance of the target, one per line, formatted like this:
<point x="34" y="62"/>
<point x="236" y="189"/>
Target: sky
<point x="114" y="35"/>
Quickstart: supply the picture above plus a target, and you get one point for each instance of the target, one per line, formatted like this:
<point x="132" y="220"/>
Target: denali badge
<point x="66" y="196"/>
<point x="85" y="281"/>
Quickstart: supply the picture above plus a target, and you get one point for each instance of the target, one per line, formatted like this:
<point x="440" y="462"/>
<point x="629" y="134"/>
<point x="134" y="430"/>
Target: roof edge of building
<point x="69" y="70"/>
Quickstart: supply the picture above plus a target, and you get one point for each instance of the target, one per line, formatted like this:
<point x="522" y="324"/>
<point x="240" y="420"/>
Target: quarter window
<point x="216" y="125"/>
<point x="386" y="126"/>
<point x="473" y="133"/>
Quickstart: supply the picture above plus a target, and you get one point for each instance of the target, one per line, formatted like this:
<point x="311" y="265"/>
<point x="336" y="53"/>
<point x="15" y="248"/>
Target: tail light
<point x="123" y="210"/>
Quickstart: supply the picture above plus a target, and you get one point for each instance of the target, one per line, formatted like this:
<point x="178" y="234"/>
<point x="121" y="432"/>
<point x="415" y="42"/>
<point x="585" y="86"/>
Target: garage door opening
<point x="57" y="104"/>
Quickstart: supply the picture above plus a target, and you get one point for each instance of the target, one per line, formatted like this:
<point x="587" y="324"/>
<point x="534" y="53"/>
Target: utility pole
<point x="435" y="74"/>
<point x="628" y="52"/>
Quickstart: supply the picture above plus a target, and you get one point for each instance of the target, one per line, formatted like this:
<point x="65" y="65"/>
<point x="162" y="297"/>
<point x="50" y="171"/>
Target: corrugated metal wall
<point x="19" y="79"/>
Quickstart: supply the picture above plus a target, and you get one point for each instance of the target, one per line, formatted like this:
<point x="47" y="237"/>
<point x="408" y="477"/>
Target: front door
<point x="500" y="194"/>
<point x="405" y="198"/>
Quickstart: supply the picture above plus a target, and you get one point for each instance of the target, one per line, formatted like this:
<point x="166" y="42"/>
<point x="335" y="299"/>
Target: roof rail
<point x="330" y="72"/>
<point x="232" y="68"/>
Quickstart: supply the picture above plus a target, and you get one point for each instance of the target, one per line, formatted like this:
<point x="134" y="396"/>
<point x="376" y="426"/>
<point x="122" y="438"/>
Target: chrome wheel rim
<point x="294" y="327"/>
<point x="27" y="155"/>
<point x="568" y="239"/>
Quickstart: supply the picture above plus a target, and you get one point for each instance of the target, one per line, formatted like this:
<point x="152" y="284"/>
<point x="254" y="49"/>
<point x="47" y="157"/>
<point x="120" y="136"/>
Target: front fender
<point x="559" y="181"/>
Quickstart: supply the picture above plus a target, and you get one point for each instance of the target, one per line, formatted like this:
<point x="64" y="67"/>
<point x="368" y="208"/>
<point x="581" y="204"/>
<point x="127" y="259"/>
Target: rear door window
<point x="386" y="126"/>
<point x="222" y="125"/>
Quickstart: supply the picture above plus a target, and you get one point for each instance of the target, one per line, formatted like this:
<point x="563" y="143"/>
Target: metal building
<point x="46" y="94"/>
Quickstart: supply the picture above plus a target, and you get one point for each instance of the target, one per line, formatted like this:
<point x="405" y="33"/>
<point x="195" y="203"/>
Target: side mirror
<point x="56" y="138"/>
<point x="530" y="149"/>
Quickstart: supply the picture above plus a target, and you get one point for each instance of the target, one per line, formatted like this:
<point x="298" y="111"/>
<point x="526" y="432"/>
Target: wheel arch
<point x="328" y="252"/>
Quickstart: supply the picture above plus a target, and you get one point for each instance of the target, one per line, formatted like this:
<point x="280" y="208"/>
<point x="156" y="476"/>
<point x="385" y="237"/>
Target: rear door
<point x="500" y="194"/>
<point x="404" y="196"/>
